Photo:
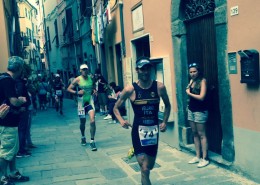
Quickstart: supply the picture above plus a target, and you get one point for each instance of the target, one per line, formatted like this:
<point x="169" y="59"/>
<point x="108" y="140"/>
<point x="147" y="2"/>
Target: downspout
<point x="46" y="41"/>
<point x="97" y="47"/>
<point x="74" y="44"/>
<point x="123" y="52"/>
<point x="16" y="37"/>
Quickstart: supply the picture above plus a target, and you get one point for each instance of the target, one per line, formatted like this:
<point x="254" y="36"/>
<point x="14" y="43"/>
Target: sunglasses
<point x="193" y="65"/>
<point x="145" y="68"/>
<point x="84" y="69"/>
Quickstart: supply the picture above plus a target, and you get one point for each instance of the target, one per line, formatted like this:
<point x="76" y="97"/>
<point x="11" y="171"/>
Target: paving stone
<point x="113" y="173"/>
<point x="61" y="160"/>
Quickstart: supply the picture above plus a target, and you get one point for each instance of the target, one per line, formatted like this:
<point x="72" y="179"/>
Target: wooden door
<point x="201" y="48"/>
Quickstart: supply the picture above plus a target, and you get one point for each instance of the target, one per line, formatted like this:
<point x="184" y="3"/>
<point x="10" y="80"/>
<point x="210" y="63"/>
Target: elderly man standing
<point x="9" y="141"/>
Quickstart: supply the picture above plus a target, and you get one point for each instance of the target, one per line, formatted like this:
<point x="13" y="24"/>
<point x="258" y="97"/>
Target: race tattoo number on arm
<point x="148" y="135"/>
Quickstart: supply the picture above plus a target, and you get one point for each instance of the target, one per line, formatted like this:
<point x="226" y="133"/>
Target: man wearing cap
<point x="145" y="97"/>
<point x="84" y="86"/>
<point x="9" y="142"/>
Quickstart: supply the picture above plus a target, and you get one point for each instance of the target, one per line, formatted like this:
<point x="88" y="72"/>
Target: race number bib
<point x="148" y="135"/>
<point x="81" y="109"/>
<point x="58" y="92"/>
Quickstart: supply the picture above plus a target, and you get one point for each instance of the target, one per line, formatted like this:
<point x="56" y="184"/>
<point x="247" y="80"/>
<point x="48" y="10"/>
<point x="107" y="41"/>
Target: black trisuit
<point x="145" y="131"/>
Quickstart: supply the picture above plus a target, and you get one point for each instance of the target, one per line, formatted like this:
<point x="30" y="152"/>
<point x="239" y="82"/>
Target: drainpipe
<point x="75" y="48"/>
<point x="97" y="46"/>
<point x="16" y="41"/>
<point x="45" y="35"/>
<point x="123" y="52"/>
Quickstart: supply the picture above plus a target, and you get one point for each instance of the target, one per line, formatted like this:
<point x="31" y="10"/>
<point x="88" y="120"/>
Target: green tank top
<point x="87" y="86"/>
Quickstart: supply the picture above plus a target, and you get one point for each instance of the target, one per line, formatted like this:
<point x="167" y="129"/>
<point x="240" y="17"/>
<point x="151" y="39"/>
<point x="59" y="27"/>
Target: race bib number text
<point x="148" y="135"/>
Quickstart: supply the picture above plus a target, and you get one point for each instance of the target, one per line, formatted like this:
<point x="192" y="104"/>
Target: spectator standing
<point x="23" y="126"/>
<point x="198" y="114"/>
<point x="112" y="98"/>
<point x="29" y="143"/>
<point x="33" y="94"/>
<point x="101" y="91"/>
<point x="9" y="124"/>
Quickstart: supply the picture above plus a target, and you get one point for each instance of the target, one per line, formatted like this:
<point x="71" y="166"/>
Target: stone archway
<point x="180" y="65"/>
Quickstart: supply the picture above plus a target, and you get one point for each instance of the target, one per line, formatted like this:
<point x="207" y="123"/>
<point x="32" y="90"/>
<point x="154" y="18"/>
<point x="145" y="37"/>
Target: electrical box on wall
<point x="249" y="66"/>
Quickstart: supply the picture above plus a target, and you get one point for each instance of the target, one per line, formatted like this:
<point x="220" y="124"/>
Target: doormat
<point x="134" y="164"/>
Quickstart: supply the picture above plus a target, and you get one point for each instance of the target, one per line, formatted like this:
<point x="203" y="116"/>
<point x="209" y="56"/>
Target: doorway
<point x="201" y="48"/>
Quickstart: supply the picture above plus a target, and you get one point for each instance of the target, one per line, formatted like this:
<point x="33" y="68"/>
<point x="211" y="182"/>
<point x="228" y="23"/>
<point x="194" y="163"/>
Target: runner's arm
<point x="126" y="93"/>
<point x="72" y="86"/>
<point x="163" y="94"/>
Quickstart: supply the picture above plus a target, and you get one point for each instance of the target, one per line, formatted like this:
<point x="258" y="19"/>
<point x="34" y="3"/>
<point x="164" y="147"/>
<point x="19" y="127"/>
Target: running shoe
<point x="17" y="177"/>
<point x="83" y="141"/>
<point x="5" y="181"/>
<point x="93" y="146"/>
<point x="113" y="121"/>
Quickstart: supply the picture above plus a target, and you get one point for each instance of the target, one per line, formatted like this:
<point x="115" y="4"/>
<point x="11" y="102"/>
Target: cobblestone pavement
<point x="59" y="159"/>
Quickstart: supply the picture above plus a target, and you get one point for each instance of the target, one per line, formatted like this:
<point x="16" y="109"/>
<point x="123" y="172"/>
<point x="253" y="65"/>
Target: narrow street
<point x="59" y="159"/>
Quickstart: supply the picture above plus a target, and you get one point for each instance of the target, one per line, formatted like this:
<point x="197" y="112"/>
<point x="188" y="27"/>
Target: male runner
<point x="145" y="98"/>
<point x="84" y="86"/>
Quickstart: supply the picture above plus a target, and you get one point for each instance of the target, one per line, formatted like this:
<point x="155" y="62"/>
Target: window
<point x="63" y="22"/>
<point x="32" y="27"/>
<point x="138" y="19"/>
<point x="38" y="44"/>
<point x="86" y="8"/>
<point x="56" y="32"/>
<point x="48" y="41"/>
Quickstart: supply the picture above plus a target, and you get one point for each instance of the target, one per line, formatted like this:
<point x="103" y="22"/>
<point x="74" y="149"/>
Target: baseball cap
<point x="15" y="63"/>
<point x="142" y="62"/>
<point x="57" y="75"/>
<point x="84" y="66"/>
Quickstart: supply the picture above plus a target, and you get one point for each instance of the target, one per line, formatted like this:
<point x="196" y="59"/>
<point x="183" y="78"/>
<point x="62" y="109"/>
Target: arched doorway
<point x="197" y="34"/>
<point x="201" y="48"/>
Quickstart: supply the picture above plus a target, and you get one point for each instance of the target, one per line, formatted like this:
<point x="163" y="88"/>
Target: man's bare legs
<point x="146" y="163"/>
<point x="82" y="126"/>
<point x="92" y="123"/>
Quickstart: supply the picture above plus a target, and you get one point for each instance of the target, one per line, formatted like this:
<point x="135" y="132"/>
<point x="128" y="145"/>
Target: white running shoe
<point x="194" y="160"/>
<point x="108" y="117"/>
<point x="113" y="121"/>
<point x="203" y="163"/>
